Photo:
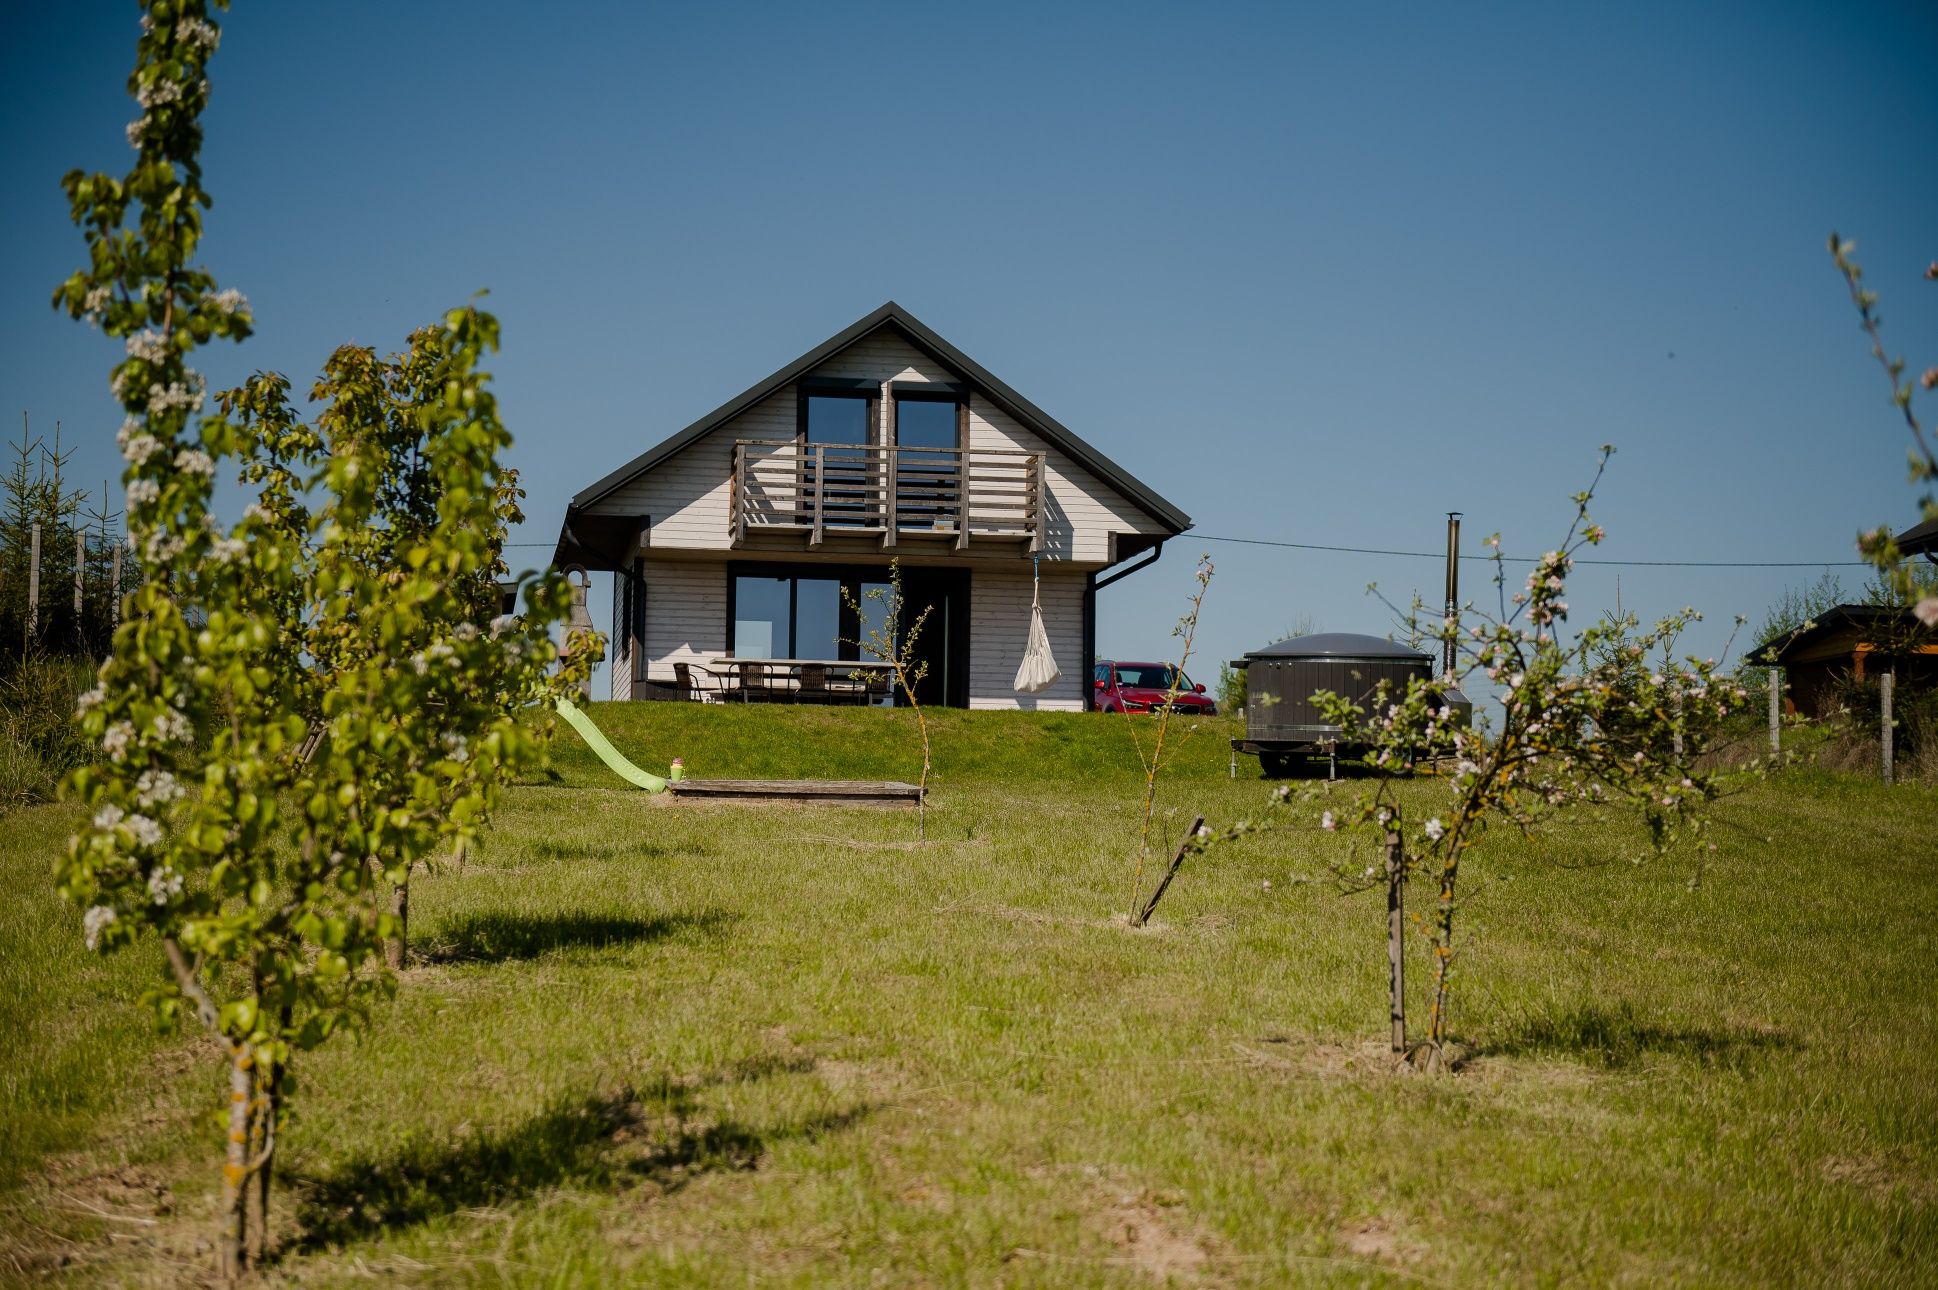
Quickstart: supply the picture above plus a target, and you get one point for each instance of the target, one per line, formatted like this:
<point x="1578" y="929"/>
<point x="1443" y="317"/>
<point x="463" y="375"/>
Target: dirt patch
<point x="1881" y="1175"/>
<point x="1153" y="1233"/>
<point x="1323" y="1059"/>
<point x="1377" y="1241"/>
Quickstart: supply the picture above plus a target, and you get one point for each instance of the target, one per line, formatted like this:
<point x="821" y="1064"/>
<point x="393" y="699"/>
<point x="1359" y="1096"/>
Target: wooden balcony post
<point x="820" y="490"/>
<point x="892" y="507"/>
<point x="737" y="503"/>
<point x="962" y="500"/>
<point x="1035" y="512"/>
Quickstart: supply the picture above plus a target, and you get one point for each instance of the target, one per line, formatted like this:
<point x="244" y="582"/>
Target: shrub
<point x="40" y="741"/>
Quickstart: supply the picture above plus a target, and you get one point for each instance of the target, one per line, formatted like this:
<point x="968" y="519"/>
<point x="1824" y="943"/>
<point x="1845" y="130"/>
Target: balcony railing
<point x="889" y="492"/>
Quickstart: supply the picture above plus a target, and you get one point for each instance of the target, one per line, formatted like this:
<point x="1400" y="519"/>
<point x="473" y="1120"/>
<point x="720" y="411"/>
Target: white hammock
<point x="1039" y="670"/>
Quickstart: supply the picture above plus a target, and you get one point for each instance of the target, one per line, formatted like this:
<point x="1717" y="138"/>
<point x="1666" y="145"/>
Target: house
<point x="746" y="535"/>
<point x="1848" y="643"/>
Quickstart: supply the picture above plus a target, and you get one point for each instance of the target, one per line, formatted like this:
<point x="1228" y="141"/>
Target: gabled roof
<point x="1860" y="622"/>
<point x="892" y="315"/>
<point x="1920" y="539"/>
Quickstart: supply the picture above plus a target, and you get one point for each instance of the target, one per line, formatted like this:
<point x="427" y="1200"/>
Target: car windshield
<point x="1149" y="676"/>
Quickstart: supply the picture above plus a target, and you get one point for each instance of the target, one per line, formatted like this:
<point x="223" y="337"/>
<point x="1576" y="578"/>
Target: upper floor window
<point x="925" y="420"/>
<point x="837" y="418"/>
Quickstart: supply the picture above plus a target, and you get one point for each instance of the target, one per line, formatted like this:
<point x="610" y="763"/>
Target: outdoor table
<point x="783" y="674"/>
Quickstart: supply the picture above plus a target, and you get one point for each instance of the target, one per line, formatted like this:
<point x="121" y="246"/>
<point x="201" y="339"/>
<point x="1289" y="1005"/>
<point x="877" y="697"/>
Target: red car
<point x="1141" y="687"/>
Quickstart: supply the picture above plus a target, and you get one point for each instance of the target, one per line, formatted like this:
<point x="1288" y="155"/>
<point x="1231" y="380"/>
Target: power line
<point x="1520" y="559"/>
<point x="1511" y="559"/>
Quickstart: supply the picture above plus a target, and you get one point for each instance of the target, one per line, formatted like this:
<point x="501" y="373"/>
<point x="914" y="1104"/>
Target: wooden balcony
<point x="892" y="494"/>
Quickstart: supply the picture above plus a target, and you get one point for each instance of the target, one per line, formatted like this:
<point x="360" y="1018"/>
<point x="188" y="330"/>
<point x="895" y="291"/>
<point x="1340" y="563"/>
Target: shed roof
<point x="1338" y="645"/>
<point x="892" y="315"/>
<point x="1856" y="622"/>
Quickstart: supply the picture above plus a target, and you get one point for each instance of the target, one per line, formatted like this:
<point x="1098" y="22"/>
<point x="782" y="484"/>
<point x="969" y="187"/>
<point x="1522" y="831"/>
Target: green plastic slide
<point x="606" y="752"/>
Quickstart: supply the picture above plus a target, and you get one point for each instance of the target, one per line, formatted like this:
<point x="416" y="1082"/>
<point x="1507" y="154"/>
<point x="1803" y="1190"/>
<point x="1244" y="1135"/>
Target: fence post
<point x="1776" y="708"/>
<point x="1885" y="684"/>
<point x="33" y="584"/>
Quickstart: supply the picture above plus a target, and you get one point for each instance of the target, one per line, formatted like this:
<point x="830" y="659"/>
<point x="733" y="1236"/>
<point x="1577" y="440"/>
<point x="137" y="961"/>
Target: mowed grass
<point x="647" y="1043"/>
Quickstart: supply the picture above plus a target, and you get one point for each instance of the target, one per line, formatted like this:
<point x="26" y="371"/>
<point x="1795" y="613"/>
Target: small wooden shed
<point x="1849" y="642"/>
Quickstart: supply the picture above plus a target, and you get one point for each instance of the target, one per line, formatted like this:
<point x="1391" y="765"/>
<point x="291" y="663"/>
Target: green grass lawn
<point x="698" y="1045"/>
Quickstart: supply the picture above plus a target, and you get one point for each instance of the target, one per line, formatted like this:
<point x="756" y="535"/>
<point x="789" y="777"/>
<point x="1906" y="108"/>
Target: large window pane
<point x="760" y="622"/>
<point x="836" y="419"/>
<point x="817" y="618"/>
<point x="921" y="424"/>
<point x="874" y="618"/>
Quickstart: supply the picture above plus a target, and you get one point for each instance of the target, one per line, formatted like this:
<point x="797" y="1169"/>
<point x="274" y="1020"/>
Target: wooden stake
<point x="114" y="606"/>
<point x="1776" y="709"/>
<point x="1885" y="684"/>
<point x="33" y="584"/>
<point x="1177" y="860"/>
<point x="1396" y="938"/>
<point x="80" y="571"/>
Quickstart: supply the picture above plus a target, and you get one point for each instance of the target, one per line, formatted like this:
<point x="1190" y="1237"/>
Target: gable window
<point x="929" y="432"/>
<point x="837" y="418"/>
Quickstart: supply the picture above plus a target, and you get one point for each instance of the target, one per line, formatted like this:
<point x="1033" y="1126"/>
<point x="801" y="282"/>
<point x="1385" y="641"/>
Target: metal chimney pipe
<point x="1453" y="591"/>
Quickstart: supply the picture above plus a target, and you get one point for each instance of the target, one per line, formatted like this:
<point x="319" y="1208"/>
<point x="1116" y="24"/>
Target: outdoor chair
<point x="688" y="682"/>
<point x="813" y="684"/>
<point x="756" y="684"/>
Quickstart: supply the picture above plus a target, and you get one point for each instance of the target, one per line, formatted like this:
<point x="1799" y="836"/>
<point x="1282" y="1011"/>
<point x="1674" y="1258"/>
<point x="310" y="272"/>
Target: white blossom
<point x="257" y="512"/>
<point x="116" y="740"/>
<point x="157" y="94"/>
<point x="164" y="885"/>
<point x="228" y="550"/>
<point x="97" y="920"/>
<point x="1327" y="823"/>
<point x="203" y="35"/>
<point x="108" y="816"/>
<point x="161" y="547"/>
<point x="1927" y="611"/>
<point x="175" y="395"/>
<point x="172" y="726"/>
<point x="140" y="448"/>
<point x="147" y="833"/>
<point x="230" y="301"/>
<point x="1435" y="830"/>
<point x="148" y="346"/>
<point x="157" y="788"/>
<point x="91" y="699"/>
<point x="465" y="631"/>
<point x="98" y="298"/>
<point x="193" y="461"/>
<point x="136" y="130"/>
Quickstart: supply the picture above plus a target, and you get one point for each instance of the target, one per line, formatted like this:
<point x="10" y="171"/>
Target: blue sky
<point x="1318" y="274"/>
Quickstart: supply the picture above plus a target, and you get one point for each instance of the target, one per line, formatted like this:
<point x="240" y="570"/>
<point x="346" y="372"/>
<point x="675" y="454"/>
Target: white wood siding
<point x="686" y="615"/>
<point x="1082" y="511"/>
<point x="999" y="631"/>
<point x="687" y="496"/>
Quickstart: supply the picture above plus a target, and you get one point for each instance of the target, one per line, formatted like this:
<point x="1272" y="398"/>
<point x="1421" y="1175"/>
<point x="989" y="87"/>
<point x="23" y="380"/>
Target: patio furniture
<point x="688" y="682"/>
<point x="811" y="685"/>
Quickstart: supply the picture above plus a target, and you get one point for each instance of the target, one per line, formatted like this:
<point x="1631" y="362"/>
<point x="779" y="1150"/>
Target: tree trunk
<point x="1396" y="938"/>
<point x="1443" y="951"/>
<point x="398" y="946"/>
<point x="230" y="1248"/>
